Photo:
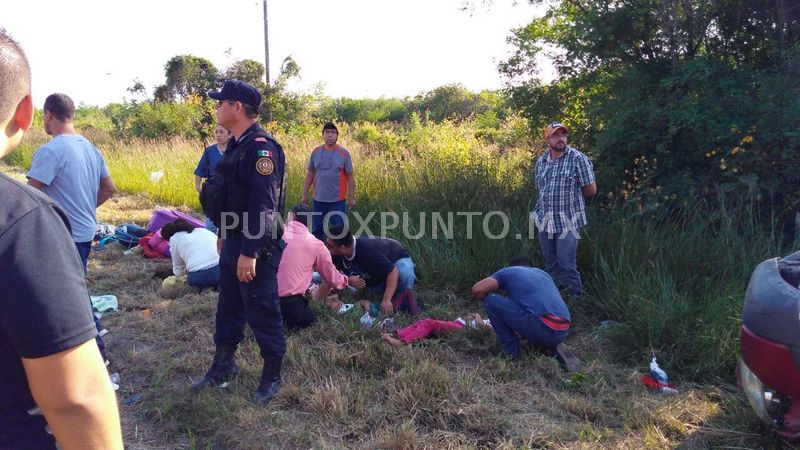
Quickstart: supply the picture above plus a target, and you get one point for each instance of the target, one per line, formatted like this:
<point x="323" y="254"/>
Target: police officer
<point x="248" y="188"/>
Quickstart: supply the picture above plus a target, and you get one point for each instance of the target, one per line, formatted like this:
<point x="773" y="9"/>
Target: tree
<point x="451" y="101"/>
<point x="247" y="70"/>
<point x="187" y="75"/>
<point x="670" y="97"/>
<point x="281" y="105"/>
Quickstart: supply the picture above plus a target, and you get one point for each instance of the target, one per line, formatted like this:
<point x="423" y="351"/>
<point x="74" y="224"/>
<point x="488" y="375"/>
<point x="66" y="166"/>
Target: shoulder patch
<point x="261" y="139"/>
<point x="265" y="166"/>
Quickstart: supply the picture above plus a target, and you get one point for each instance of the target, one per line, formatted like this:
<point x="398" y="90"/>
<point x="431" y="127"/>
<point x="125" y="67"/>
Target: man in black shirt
<point x="52" y="373"/>
<point x="383" y="263"/>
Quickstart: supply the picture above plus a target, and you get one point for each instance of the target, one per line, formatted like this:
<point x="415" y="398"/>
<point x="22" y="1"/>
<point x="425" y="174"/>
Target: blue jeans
<point x="510" y="321"/>
<point x="560" y="251"/>
<point x="84" y="248"/>
<point x="405" y="276"/>
<point x="209" y="225"/>
<point x="204" y="278"/>
<point x="336" y="213"/>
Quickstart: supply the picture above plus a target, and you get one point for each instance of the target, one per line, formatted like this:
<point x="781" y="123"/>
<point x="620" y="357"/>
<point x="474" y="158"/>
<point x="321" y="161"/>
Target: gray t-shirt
<point x="331" y="168"/>
<point x="71" y="169"/>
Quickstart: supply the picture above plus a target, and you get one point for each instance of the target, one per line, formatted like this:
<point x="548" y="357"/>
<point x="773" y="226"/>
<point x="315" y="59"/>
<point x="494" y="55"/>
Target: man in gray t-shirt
<point x="330" y="171"/>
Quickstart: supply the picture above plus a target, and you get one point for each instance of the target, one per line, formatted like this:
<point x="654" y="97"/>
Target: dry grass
<point x="344" y="388"/>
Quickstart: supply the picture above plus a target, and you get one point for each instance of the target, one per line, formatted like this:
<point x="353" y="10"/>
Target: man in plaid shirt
<point x="563" y="177"/>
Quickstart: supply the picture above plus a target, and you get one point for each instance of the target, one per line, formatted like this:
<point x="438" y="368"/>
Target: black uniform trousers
<point x="255" y="303"/>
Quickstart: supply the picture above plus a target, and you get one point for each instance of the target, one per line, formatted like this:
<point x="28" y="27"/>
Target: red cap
<point x="552" y="128"/>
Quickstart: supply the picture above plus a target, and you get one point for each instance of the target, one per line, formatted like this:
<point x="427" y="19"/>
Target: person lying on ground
<point x="532" y="308"/>
<point x="424" y="328"/>
<point x="194" y="253"/>
<point x="302" y="256"/>
<point x="384" y="264"/>
<point x="363" y="311"/>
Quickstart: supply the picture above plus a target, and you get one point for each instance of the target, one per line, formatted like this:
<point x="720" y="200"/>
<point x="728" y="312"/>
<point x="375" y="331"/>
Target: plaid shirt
<point x="560" y="204"/>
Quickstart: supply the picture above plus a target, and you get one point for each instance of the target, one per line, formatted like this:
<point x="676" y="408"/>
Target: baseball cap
<point x="552" y="128"/>
<point x="330" y="126"/>
<point x="238" y="91"/>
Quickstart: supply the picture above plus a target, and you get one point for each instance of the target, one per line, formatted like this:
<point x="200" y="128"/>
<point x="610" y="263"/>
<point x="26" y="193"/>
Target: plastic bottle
<point x="659" y="375"/>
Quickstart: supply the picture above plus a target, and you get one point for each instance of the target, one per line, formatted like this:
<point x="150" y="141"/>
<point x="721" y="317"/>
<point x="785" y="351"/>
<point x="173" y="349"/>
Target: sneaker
<point x="568" y="359"/>
<point x="387" y="325"/>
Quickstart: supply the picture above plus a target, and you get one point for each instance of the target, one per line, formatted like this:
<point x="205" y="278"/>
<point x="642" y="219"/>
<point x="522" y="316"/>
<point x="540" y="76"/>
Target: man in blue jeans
<point x="330" y="172"/>
<point x="384" y="264"/>
<point x="72" y="171"/>
<point x="564" y="176"/>
<point x="532" y="308"/>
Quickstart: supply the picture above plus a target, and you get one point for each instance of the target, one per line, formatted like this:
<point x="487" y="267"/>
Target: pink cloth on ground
<point x="426" y="327"/>
<point x="303" y="253"/>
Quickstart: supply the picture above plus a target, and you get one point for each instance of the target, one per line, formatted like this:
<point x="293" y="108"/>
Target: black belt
<point x="292" y="297"/>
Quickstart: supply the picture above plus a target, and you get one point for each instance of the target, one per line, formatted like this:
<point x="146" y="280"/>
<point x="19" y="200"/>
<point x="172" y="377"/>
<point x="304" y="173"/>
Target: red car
<point x="769" y="368"/>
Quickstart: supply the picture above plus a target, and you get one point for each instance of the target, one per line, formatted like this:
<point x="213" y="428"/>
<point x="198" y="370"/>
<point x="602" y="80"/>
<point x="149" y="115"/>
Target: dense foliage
<point x="673" y="99"/>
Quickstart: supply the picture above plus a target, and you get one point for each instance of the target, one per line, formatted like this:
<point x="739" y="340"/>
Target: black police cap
<point x="238" y="91"/>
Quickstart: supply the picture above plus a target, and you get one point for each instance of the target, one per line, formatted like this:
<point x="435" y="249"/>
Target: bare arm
<point x="74" y="392"/>
<point x="323" y="291"/>
<point x="198" y="183"/>
<point x="36" y="183"/>
<point x="307" y="186"/>
<point x="589" y="190"/>
<point x="106" y="190"/>
<point x="484" y="287"/>
<point x="328" y="271"/>
<point x="391" y="287"/>
<point x="351" y="190"/>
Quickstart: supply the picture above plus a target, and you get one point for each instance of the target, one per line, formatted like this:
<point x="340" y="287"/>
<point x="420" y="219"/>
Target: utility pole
<point x="266" y="42"/>
<point x="266" y="60"/>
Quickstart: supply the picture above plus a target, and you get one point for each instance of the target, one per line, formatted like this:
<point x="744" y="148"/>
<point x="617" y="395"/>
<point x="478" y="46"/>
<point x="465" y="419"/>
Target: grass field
<point x="345" y="388"/>
<point x="672" y="281"/>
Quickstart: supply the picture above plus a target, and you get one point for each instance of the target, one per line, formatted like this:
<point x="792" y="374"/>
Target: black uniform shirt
<point x="254" y="169"/>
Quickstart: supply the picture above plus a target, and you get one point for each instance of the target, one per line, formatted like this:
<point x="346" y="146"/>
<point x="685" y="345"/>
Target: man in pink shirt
<point x="303" y="254"/>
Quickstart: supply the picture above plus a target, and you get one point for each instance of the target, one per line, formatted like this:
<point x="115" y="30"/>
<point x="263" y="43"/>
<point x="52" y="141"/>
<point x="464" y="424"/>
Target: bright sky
<point x="93" y="49"/>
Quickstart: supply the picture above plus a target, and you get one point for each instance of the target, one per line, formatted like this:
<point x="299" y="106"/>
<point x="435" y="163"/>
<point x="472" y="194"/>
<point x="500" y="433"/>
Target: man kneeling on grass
<point x="303" y="254"/>
<point x="384" y="265"/>
<point x="533" y="309"/>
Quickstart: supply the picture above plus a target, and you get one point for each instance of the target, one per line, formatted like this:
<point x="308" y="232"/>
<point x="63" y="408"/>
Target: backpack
<point x="212" y="198"/>
<point x="213" y="191"/>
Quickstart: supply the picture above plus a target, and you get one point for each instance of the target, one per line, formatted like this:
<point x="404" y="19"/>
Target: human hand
<point x="387" y="307"/>
<point x="219" y="246"/>
<point x="246" y="269"/>
<point x="351" y="203"/>
<point x="356" y="281"/>
<point x="476" y="318"/>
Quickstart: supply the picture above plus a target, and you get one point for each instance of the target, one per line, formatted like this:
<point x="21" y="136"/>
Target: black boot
<point x="222" y="370"/>
<point x="270" y="381"/>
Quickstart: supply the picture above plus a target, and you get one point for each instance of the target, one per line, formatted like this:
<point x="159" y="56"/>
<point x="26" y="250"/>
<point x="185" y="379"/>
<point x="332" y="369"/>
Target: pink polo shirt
<point x="302" y="254"/>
